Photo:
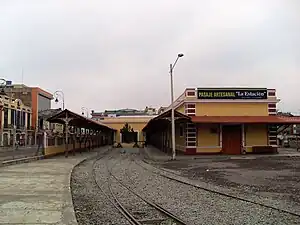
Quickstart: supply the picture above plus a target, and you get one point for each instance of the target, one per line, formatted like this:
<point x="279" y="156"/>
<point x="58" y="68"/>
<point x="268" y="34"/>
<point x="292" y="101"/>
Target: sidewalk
<point x="157" y="155"/>
<point x="39" y="192"/>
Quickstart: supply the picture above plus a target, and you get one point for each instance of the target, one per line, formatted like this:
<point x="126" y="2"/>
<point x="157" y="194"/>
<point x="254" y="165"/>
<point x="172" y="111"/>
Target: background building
<point x="123" y="112"/>
<point x="34" y="97"/>
<point x="15" y="121"/>
<point x="117" y="119"/>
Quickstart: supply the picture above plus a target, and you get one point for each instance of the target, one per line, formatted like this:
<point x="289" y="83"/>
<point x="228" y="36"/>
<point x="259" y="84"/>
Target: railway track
<point x="176" y="179"/>
<point x="135" y="208"/>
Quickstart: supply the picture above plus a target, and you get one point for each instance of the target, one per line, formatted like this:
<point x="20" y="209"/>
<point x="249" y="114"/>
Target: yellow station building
<point x="220" y="120"/>
<point x="137" y="123"/>
<point x="116" y="119"/>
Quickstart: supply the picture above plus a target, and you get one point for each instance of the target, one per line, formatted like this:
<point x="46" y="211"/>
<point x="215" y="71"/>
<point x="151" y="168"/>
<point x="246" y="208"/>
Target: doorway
<point x="232" y="139"/>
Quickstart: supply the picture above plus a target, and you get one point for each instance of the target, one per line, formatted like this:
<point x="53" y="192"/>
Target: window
<point x="272" y="105"/>
<point x="191" y="134"/>
<point x="191" y="144"/>
<point x="191" y="111"/>
<point x="181" y="130"/>
<point x="23" y="119"/>
<point x="190" y="106"/>
<point x="12" y="116"/>
<point x="18" y="118"/>
<point x="5" y="117"/>
<point x="28" y="120"/>
<point x="41" y="123"/>
<point x="191" y="139"/>
<point x="190" y="93"/>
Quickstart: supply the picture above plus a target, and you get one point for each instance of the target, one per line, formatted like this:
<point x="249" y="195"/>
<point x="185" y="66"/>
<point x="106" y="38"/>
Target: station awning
<point x="247" y="119"/>
<point x="77" y="121"/>
<point x="163" y="120"/>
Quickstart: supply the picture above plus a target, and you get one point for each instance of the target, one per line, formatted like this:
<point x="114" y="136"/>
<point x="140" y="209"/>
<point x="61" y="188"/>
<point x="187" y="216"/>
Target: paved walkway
<point x="39" y="192"/>
<point x="157" y="155"/>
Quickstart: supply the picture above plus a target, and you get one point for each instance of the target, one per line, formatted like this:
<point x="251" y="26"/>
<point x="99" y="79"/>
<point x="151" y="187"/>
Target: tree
<point x="126" y="128"/>
<point x="128" y="134"/>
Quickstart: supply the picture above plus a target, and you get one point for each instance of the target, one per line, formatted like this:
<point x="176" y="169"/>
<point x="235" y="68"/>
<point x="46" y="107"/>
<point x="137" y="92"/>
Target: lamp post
<point x="84" y="109"/>
<point x="172" y="107"/>
<point x="18" y="123"/>
<point x="57" y="95"/>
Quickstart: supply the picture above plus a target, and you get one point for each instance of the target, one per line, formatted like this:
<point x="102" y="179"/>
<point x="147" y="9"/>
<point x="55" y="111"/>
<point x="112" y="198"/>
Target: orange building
<point x="41" y="100"/>
<point x="34" y="97"/>
<point x="221" y="120"/>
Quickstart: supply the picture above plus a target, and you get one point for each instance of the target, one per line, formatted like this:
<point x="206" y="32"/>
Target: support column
<point x="67" y="120"/>
<point x="45" y="142"/>
<point x="66" y="137"/>
<point x="221" y="136"/>
<point x="92" y="139"/>
<point x="85" y="139"/>
<point x="100" y="138"/>
<point x="243" y="139"/>
<point x="26" y="129"/>
<point x="89" y="139"/>
<point x="80" y="140"/>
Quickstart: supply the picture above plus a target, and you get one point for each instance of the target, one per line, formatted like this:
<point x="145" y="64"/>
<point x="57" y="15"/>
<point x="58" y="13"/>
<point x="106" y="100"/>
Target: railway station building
<point x="136" y="120"/>
<point x="220" y="120"/>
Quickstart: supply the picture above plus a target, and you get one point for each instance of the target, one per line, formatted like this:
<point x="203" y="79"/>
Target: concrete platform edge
<point x="156" y="155"/>
<point x="28" y="159"/>
<point x="21" y="160"/>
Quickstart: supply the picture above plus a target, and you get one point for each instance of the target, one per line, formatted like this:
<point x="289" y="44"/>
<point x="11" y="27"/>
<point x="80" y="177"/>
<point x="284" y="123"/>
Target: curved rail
<point x="119" y="206"/>
<point x="210" y="190"/>
<point x="154" y="205"/>
<point x="116" y="204"/>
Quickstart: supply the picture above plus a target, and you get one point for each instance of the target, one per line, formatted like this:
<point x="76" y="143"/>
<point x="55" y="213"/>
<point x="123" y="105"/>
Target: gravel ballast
<point x="274" y="181"/>
<point x="202" y="207"/>
<point x="90" y="205"/>
<point x="193" y="205"/>
<point x="141" y="210"/>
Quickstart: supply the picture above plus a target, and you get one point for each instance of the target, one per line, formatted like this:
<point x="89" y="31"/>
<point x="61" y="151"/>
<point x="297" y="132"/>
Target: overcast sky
<point x="116" y="54"/>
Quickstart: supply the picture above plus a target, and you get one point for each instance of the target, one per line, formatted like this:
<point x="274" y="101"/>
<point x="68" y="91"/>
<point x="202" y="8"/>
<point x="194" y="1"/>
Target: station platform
<point x="157" y="155"/>
<point x="39" y="192"/>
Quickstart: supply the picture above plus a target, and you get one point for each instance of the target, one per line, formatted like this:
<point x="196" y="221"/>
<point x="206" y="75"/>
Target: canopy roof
<point x="163" y="120"/>
<point x="77" y="121"/>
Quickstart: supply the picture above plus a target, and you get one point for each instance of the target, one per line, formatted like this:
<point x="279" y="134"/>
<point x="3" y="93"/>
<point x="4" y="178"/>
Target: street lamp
<point x="172" y="106"/>
<point x="84" y="109"/>
<point x="57" y="95"/>
<point x="3" y="83"/>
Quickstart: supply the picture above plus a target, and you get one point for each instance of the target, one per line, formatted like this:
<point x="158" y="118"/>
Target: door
<point x="232" y="139"/>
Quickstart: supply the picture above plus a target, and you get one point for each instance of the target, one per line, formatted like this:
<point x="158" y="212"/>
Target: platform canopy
<point x="280" y="120"/>
<point x="78" y="121"/>
<point x="163" y="120"/>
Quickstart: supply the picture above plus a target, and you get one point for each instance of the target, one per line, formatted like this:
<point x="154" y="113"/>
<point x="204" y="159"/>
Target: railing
<point x="52" y="146"/>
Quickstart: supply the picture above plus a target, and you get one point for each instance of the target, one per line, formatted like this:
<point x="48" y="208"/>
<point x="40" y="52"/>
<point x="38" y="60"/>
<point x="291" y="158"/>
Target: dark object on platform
<point x="264" y="150"/>
<point x="136" y="145"/>
<point x="119" y="145"/>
